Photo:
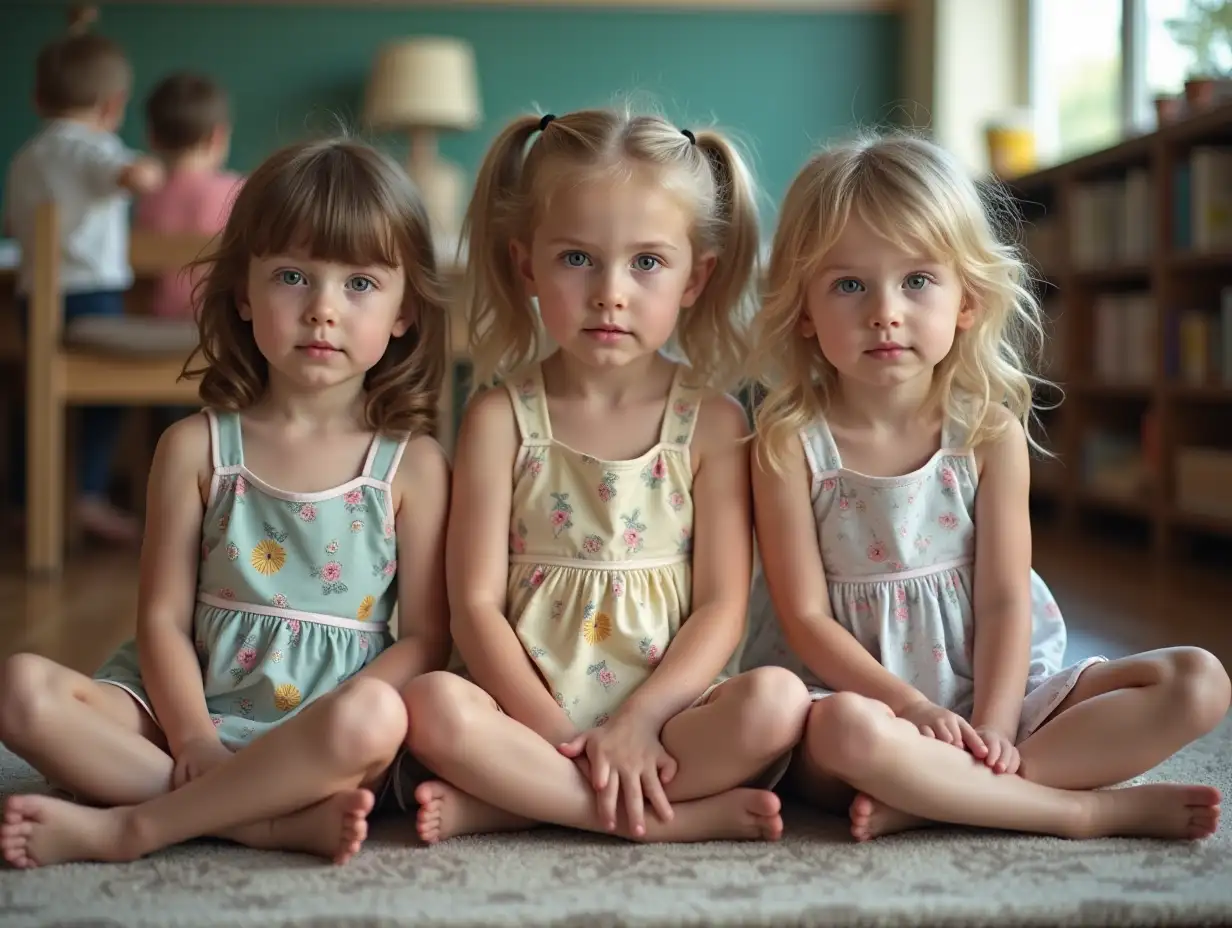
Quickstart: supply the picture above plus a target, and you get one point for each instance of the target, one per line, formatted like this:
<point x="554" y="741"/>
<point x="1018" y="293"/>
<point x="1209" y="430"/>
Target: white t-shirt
<point x="75" y="167"/>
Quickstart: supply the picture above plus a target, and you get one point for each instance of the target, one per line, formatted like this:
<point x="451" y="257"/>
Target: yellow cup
<point x="1011" y="149"/>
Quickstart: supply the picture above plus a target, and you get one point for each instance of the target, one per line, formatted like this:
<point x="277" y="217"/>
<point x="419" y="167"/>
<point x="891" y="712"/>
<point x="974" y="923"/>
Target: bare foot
<point x="446" y="812"/>
<point x="1157" y="810"/>
<point x="334" y="828"/>
<point x="107" y="522"/>
<point x="737" y="815"/>
<point x="38" y="831"/>
<point x="872" y="818"/>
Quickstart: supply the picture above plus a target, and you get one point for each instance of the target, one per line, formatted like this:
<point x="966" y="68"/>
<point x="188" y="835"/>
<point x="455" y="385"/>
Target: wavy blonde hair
<point x="918" y="198"/>
<point x="514" y="188"/>
<point x="340" y="200"/>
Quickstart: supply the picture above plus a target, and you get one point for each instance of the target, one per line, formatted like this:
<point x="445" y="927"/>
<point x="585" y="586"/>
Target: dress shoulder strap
<point x="384" y="456"/>
<point x="820" y="449"/>
<point x="226" y="438"/>
<point x="680" y="416"/>
<point x="530" y="405"/>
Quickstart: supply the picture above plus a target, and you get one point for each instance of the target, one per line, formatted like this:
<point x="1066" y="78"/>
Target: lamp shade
<point x="423" y="82"/>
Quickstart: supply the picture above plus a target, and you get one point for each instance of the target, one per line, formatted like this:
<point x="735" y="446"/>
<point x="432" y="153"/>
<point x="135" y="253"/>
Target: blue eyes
<point x="849" y="285"/>
<point x="580" y="259"/>
<point x="293" y="278"/>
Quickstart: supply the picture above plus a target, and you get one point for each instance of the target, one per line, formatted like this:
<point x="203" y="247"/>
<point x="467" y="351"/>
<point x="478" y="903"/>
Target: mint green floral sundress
<point x="294" y="590"/>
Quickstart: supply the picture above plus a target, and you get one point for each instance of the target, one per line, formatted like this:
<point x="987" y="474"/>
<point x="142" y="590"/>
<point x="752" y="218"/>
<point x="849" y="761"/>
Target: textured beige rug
<point x="815" y="876"/>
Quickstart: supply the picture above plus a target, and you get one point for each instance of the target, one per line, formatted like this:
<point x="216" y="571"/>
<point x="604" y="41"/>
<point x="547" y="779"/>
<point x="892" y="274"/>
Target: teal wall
<point x="783" y="81"/>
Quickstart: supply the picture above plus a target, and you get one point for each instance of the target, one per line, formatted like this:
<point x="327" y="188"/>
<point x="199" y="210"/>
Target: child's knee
<point x="844" y="733"/>
<point x="26" y="689"/>
<point x="773" y="705"/>
<point x="366" y="721"/>
<point x="439" y="706"/>
<point x="1200" y="687"/>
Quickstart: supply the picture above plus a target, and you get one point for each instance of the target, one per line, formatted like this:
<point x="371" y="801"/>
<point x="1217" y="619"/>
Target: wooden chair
<point x="117" y="364"/>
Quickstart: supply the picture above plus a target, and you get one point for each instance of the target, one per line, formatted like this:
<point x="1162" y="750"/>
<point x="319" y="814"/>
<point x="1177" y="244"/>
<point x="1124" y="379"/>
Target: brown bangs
<point x="332" y="205"/>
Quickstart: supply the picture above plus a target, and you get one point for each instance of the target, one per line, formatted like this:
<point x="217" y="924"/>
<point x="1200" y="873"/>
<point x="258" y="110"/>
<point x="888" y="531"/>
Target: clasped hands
<point x="987" y="743"/>
<point x="624" y="759"/>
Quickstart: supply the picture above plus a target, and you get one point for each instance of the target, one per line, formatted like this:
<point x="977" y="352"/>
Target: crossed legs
<point x="497" y="774"/>
<point x="302" y="787"/>
<point x="1121" y="719"/>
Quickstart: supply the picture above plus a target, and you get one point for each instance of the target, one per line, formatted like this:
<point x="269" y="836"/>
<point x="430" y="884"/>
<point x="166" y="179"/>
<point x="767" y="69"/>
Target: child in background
<point x="77" y="161"/>
<point x="189" y="129"/>
<point x="600" y="541"/>
<point x="284" y="524"/>
<point x="891" y="502"/>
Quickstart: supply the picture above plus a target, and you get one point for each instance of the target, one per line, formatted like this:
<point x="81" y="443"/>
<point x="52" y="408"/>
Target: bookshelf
<point x="1134" y="248"/>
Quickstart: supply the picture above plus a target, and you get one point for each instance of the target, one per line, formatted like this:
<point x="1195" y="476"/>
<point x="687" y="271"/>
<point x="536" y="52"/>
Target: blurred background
<point x="1110" y="120"/>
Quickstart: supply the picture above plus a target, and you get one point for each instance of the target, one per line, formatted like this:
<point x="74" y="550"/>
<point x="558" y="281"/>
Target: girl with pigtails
<point x="600" y="546"/>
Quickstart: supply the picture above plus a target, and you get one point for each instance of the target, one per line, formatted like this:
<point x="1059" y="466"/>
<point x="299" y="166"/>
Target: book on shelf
<point x="1202" y="201"/>
<point x="1200" y="344"/>
<point x="1112" y="221"/>
<point x="1124" y="335"/>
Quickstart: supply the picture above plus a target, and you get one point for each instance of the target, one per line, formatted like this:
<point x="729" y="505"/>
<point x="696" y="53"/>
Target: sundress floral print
<point x="277" y="572"/>
<point x="634" y="536"/>
<point x="579" y="529"/>
<point x="330" y="575"/>
<point x="306" y="511"/>
<point x="561" y="515"/>
<point x="654" y="473"/>
<point x="899" y="557"/>
<point x="607" y="487"/>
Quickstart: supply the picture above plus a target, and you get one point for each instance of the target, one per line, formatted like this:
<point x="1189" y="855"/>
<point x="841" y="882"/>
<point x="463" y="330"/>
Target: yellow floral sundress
<point x="600" y="567"/>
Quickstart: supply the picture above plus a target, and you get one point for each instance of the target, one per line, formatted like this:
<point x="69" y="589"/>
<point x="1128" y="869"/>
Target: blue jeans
<point x="100" y="425"/>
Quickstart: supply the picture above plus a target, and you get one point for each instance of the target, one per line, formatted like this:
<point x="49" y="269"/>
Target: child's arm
<point x="108" y="167"/>
<point x="141" y="175"/>
<point x="477" y="564"/>
<point x="421" y="501"/>
<point x="1002" y="581"/>
<point x="796" y="578"/>
<point x="722" y="569"/>
<point x="170" y="554"/>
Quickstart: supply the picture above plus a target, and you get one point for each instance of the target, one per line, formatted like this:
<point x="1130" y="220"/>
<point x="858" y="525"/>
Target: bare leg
<point x="860" y="742"/>
<point x="318" y="762"/>
<point x="761" y="716"/>
<point x="490" y="760"/>
<point x="1126" y="716"/>
<point x="53" y="717"/>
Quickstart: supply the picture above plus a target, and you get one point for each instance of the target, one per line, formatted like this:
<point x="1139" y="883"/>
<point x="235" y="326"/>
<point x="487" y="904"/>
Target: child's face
<point x="320" y="323"/>
<point x="881" y="315"/>
<point x="612" y="264"/>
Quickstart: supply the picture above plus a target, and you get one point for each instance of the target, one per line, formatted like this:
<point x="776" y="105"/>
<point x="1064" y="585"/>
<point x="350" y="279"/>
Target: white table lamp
<point x="422" y="86"/>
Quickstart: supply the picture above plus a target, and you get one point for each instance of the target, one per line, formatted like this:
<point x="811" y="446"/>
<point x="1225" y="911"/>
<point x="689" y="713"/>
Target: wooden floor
<point x="1115" y="603"/>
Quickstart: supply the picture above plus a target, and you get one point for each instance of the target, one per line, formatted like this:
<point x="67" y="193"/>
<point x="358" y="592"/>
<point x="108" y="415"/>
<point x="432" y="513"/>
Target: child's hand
<point x="944" y="725"/>
<point x="1002" y="755"/>
<point x="626" y="754"/>
<point x="196" y="757"/>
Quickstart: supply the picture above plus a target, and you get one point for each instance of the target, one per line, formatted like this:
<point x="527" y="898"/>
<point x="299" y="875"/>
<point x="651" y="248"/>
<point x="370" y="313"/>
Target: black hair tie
<point x="690" y="136"/>
<point x="547" y="118"/>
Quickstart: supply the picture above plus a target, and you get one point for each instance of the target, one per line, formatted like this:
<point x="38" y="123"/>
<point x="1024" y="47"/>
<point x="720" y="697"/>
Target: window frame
<point x="1135" y="103"/>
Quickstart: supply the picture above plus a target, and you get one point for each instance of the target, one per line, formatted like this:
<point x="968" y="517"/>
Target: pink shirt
<point x="190" y="201"/>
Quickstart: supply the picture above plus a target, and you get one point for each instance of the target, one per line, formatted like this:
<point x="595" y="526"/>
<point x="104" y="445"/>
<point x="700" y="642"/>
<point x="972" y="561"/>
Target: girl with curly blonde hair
<point x="896" y="344"/>
<point x="284" y="525"/>
<point x="600" y="540"/>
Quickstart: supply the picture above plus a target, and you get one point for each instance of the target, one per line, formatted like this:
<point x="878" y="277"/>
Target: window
<point x="1096" y="67"/>
<point x="1167" y="64"/>
<point x="1076" y="75"/>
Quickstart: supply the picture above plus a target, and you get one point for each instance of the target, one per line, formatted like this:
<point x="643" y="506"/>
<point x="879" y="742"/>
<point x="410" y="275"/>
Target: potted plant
<point x="1206" y="30"/>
